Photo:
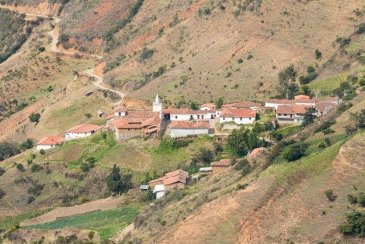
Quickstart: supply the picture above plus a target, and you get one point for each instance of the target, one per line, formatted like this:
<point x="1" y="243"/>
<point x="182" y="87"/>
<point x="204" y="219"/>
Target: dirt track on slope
<point x="101" y="204"/>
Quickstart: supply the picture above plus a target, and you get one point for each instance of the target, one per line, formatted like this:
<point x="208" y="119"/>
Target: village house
<point x="244" y="104"/>
<point x="275" y="103"/>
<point x="189" y="128"/>
<point x="291" y="113"/>
<point x="49" y="142"/>
<point x="81" y="131"/>
<point x="136" y="124"/>
<point x="188" y="114"/>
<point x="238" y="116"/>
<point x="172" y="180"/>
<point x="220" y="166"/>
<point x="207" y="106"/>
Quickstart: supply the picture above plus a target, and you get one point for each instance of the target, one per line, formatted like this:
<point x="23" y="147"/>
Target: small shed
<point x="144" y="187"/>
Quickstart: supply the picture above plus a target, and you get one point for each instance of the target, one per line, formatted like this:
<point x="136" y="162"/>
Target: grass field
<point x="325" y="87"/>
<point x="316" y="162"/>
<point x="106" y="223"/>
<point x="10" y="221"/>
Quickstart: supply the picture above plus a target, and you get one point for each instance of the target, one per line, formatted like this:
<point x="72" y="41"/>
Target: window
<point x="175" y="117"/>
<point x="224" y="118"/>
<point x="241" y="119"/>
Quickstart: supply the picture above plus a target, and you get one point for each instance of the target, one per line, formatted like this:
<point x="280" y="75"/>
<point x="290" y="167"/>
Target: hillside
<point x="71" y="62"/>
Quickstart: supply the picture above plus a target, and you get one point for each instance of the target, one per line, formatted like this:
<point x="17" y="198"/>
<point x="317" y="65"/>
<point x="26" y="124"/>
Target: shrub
<point x="42" y="152"/>
<point x="352" y="199"/>
<point x="362" y="199"/>
<point x="355" y="225"/>
<point x="36" y="189"/>
<point x="91" y="235"/>
<point x="146" y="53"/>
<point x="330" y="195"/>
<point x="30" y="199"/>
<point x="2" y="171"/>
<point x="34" y="118"/>
<point x="118" y="183"/>
<point x="8" y="150"/>
<point x="27" y="144"/>
<point x="41" y="49"/>
<point x="36" y="168"/>
<point x="318" y="54"/>
<point x="295" y="152"/>
<point x="20" y="167"/>
<point x="2" y="194"/>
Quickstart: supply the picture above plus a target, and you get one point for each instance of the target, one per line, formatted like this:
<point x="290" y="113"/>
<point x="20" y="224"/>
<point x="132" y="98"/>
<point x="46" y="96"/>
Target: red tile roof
<point x="292" y="109"/>
<point x="172" y="178"/>
<point x="221" y="163"/>
<point x="184" y="111"/>
<point x="84" y="128"/>
<point x="190" y="125"/>
<point x="243" y="104"/>
<point x="51" y="140"/>
<point x="301" y="97"/>
<point x="280" y="101"/>
<point x="238" y="113"/>
<point x="121" y="109"/>
<point x="211" y="106"/>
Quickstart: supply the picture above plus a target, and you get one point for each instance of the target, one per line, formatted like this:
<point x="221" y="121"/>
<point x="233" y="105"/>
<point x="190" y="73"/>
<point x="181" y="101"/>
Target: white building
<point x="207" y="106"/>
<point x="49" y="142"/>
<point x="81" y="131"/>
<point x="238" y="116"/>
<point x="189" y="128"/>
<point x="157" y="104"/>
<point x="188" y="114"/>
<point x="275" y="103"/>
<point x="291" y="113"/>
<point x="159" y="190"/>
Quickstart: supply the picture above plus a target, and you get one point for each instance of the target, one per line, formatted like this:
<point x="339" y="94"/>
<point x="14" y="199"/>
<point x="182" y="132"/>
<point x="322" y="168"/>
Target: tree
<point x="194" y="106"/>
<point x="306" y="90"/>
<point x="355" y="225"/>
<point x="205" y="155"/>
<point x="116" y="183"/>
<point x="8" y="150"/>
<point x="219" y="103"/>
<point x="286" y="76"/>
<point x="34" y="118"/>
<point x="241" y="141"/>
<point x="295" y="152"/>
<point x="318" y="54"/>
<point x="359" y="119"/>
<point x="309" y="117"/>
<point x="292" y="90"/>
<point x="27" y="144"/>
<point x="2" y="194"/>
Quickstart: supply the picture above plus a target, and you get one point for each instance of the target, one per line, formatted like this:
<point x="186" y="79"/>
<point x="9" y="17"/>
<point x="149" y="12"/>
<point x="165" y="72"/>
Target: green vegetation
<point x="355" y="225"/>
<point x="34" y="118"/>
<point x="7" y="222"/>
<point x="311" y="75"/>
<point x="295" y="152"/>
<point x="243" y="140"/>
<point x="8" y="150"/>
<point x="106" y="223"/>
<point x="14" y="31"/>
<point x="118" y="183"/>
<point x="287" y="87"/>
<point x="327" y="86"/>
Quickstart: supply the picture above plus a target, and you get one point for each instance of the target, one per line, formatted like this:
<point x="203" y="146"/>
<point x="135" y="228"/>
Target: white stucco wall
<point x="119" y="114"/>
<point x="187" y="117"/>
<point x="240" y="121"/>
<point x="44" y="147"/>
<point x="73" y="136"/>
<point x="175" y="133"/>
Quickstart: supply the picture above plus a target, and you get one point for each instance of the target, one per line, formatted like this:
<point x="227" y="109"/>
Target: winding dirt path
<point x="55" y="34"/>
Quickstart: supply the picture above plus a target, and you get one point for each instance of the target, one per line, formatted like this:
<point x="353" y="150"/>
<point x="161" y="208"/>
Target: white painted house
<point x="275" y="103"/>
<point x="81" y="131"/>
<point x="49" y="142"/>
<point x="238" y="116"/>
<point x="189" y="128"/>
<point x="159" y="190"/>
<point x="207" y="106"/>
<point x="188" y="114"/>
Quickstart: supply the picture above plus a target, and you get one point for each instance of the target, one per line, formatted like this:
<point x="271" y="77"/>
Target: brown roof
<point x="333" y="100"/>
<point x="221" y="163"/>
<point x="84" y="128"/>
<point x="51" y="140"/>
<point x="172" y="178"/>
<point x="301" y="97"/>
<point x="292" y="109"/>
<point x="184" y="111"/>
<point x="280" y="101"/>
<point x="190" y="125"/>
<point x="211" y="106"/>
<point x="238" y="113"/>
<point x="305" y="101"/>
<point x="121" y="109"/>
<point x="141" y="114"/>
<point x="243" y="104"/>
